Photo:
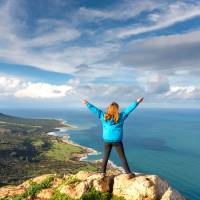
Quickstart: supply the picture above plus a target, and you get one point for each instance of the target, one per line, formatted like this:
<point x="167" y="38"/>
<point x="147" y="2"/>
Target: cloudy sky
<point x="55" y="52"/>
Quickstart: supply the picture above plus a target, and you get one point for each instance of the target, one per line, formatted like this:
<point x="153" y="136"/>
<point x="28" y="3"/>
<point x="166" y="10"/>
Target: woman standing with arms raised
<point x="112" y="122"/>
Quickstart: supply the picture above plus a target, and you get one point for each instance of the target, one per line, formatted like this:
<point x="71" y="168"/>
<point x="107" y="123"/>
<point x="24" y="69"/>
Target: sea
<point x="165" y="142"/>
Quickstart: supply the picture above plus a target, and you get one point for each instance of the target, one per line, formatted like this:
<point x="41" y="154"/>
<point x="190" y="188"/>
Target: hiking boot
<point x="130" y="175"/>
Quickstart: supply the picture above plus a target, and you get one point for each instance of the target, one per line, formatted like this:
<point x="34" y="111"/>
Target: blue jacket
<point x="112" y="132"/>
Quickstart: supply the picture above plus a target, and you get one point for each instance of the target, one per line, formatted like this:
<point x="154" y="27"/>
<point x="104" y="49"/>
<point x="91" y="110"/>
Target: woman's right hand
<point x="84" y="102"/>
<point x="139" y="100"/>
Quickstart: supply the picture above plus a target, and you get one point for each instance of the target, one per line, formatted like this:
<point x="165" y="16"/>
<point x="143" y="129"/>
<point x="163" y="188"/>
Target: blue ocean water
<point x="165" y="142"/>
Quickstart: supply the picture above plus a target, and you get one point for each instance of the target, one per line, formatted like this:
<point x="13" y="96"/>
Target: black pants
<point x="120" y="150"/>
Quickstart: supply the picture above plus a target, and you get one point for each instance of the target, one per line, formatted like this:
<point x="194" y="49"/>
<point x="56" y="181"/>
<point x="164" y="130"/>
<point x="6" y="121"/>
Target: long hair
<point x="112" y="112"/>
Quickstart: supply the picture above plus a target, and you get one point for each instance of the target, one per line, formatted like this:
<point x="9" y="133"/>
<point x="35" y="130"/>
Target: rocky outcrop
<point x="76" y="186"/>
<point x="144" y="187"/>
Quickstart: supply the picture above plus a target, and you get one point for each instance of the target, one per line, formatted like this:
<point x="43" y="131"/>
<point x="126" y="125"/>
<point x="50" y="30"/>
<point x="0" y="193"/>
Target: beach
<point x="62" y="133"/>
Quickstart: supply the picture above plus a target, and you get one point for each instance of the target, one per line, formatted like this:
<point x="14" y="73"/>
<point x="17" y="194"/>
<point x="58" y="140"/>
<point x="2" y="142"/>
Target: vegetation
<point x="26" y="150"/>
<point x="60" y="151"/>
<point x="72" y="179"/>
<point x="34" y="189"/>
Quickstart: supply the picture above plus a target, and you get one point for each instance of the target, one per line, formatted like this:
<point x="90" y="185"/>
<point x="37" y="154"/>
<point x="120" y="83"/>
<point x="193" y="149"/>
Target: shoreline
<point x="89" y="151"/>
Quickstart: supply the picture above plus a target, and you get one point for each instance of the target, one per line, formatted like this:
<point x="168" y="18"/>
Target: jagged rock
<point x="56" y="182"/>
<point x="11" y="191"/>
<point x="160" y="185"/>
<point x="138" y="188"/>
<point x="45" y="194"/>
<point x="95" y="179"/>
<point x="143" y="187"/>
<point x="103" y="184"/>
<point x="75" y="190"/>
<point x="171" y="194"/>
<point x="41" y="178"/>
<point x="83" y="175"/>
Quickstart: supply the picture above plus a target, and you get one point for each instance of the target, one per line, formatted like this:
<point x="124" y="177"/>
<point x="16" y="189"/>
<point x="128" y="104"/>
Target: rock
<point x="144" y="187"/>
<point x="160" y="185"/>
<point x="83" y="175"/>
<point x="138" y="188"/>
<point x="95" y="180"/>
<point x="171" y="194"/>
<point x="45" y="194"/>
<point x="56" y="182"/>
<point x="103" y="184"/>
<point x="11" y="191"/>
<point x="41" y="178"/>
<point x="75" y="190"/>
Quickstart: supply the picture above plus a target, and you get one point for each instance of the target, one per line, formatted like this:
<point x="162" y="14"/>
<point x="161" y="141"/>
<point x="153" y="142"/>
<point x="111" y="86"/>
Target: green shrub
<point x="35" y="188"/>
<point x="93" y="194"/>
<point x="60" y="196"/>
<point x="72" y="179"/>
<point x="117" y="198"/>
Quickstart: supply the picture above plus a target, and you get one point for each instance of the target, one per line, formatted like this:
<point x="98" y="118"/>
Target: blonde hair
<point x="112" y="112"/>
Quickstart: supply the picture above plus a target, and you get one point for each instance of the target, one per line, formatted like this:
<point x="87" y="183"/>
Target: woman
<point x="112" y="122"/>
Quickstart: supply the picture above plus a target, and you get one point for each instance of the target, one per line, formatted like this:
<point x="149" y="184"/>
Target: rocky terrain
<point x="86" y="185"/>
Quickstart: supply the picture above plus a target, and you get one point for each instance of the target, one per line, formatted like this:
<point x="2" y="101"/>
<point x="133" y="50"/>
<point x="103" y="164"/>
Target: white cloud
<point x="15" y="87"/>
<point x="184" y="92"/>
<point x="43" y="90"/>
<point x="121" y="11"/>
<point x="168" y="15"/>
<point x="157" y="84"/>
<point x="51" y="32"/>
<point x="8" y="85"/>
<point x="107" y="70"/>
<point x="163" y="53"/>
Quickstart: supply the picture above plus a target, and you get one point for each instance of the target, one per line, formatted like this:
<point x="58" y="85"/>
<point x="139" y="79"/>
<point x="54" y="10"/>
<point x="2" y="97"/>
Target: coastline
<point x="89" y="151"/>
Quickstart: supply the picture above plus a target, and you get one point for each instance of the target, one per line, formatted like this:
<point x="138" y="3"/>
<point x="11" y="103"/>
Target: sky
<point x="53" y="53"/>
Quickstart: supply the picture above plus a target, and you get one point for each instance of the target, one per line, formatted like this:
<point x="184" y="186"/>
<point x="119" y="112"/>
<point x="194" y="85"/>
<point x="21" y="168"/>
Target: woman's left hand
<point x="139" y="100"/>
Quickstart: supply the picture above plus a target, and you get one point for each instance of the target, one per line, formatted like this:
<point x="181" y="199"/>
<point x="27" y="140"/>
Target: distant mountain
<point x="51" y="123"/>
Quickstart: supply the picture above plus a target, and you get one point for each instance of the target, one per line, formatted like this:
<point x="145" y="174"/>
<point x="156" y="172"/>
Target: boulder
<point x="171" y="194"/>
<point x="75" y="190"/>
<point x="102" y="184"/>
<point x="11" y="191"/>
<point x="138" y="188"/>
<point x="144" y="187"/>
<point x="45" y="194"/>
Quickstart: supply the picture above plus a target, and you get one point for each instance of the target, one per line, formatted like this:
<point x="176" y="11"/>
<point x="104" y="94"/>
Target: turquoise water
<point x="157" y="141"/>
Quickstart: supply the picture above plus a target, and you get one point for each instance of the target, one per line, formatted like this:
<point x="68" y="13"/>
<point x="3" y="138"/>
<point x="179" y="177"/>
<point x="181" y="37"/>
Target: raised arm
<point x="132" y="107"/>
<point x="93" y="109"/>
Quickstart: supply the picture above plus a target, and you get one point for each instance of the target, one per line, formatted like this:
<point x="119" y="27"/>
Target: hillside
<point x="27" y="151"/>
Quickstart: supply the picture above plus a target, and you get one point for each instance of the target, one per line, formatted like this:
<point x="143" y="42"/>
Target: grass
<point x="35" y="188"/>
<point x="72" y="179"/>
<point x="92" y="194"/>
<point x="62" y="151"/>
<point x="38" y="143"/>
<point x="90" y="167"/>
<point x="59" y="196"/>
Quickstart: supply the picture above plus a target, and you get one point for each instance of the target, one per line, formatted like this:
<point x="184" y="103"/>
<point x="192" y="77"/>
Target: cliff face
<point x="89" y="185"/>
